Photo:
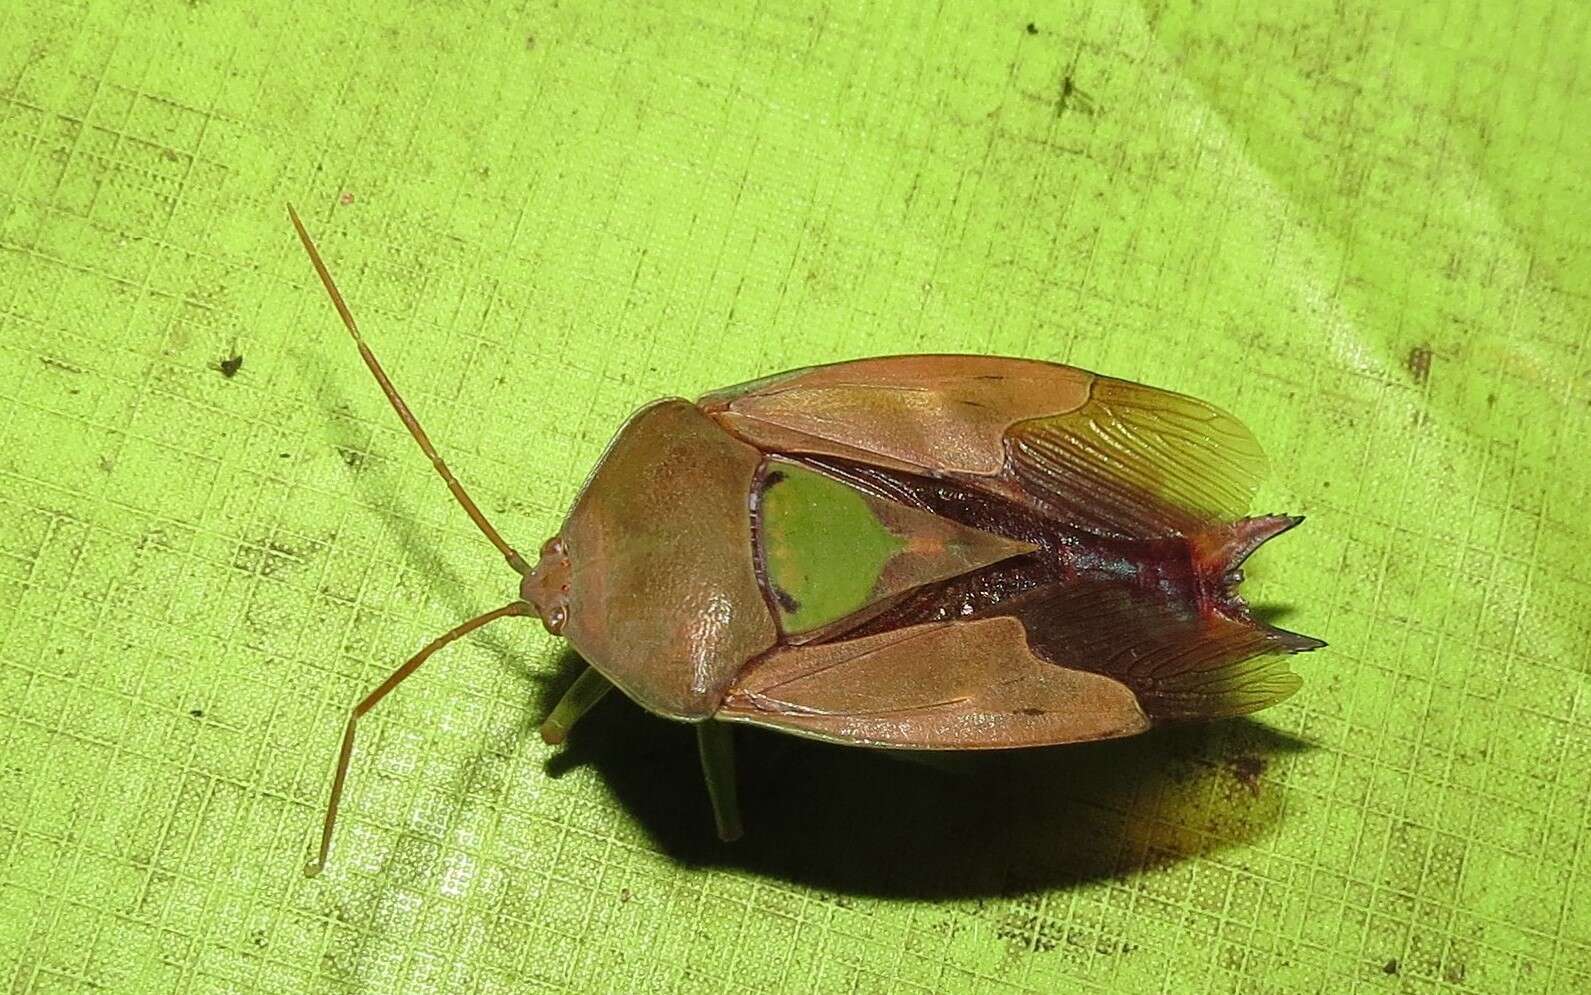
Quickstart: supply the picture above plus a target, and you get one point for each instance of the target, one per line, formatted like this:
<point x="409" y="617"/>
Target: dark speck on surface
<point x="1419" y="363"/>
<point x="1390" y="967"/>
<point x="1024" y="931"/>
<point x="1072" y="97"/>
<point x="1247" y="769"/>
<point x="230" y="365"/>
<point x="1033" y="29"/>
<point x="197" y="713"/>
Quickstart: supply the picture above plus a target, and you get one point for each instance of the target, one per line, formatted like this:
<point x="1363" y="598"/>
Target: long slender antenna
<point x="512" y="608"/>
<point x="514" y="559"/>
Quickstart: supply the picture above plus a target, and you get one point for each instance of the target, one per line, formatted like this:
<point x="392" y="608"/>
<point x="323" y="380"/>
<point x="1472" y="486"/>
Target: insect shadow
<point x="864" y="822"/>
<point x="416" y="546"/>
<point x="1274" y="614"/>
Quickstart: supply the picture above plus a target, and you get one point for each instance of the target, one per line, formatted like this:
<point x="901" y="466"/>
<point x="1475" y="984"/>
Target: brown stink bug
<point x="911" y="552"/>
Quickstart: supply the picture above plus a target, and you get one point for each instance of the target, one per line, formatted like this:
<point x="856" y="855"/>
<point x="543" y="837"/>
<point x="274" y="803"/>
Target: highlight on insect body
<point x="932" y="552"/>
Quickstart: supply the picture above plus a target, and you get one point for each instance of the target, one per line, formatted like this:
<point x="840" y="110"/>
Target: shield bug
<point x="915" y="552"/>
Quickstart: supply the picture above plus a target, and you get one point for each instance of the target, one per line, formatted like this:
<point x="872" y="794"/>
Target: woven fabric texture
<point x="1361" y="227"/>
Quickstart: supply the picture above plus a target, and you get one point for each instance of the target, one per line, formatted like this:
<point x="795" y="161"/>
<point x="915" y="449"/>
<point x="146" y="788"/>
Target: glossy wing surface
<point x="1105" y="455"/>
<point x="949" y="685"/>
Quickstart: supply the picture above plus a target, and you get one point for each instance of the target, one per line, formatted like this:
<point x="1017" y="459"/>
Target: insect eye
<point x="556" y="618"/>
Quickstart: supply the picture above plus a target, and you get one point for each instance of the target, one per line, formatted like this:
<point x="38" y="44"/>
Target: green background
<point x="1361" y="227"/>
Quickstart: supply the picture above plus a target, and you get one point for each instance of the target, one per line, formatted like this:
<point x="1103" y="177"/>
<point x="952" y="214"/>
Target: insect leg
<point x="409" y="421"/>
<point x="715" y="741"/>
<point x="369" y="702"/>
<point x="586" y="691"/>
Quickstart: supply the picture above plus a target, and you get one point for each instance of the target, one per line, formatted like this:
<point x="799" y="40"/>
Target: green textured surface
<point x="1360" y="228"/>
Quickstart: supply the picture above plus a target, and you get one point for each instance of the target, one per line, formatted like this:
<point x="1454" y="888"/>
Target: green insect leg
<point x="586" y="691"/>
<point x="715" y="740"/>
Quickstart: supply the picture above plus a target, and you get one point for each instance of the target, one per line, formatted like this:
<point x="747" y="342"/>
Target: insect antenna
<point x="514" y="559"/>
<point x="512" y="608"/>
